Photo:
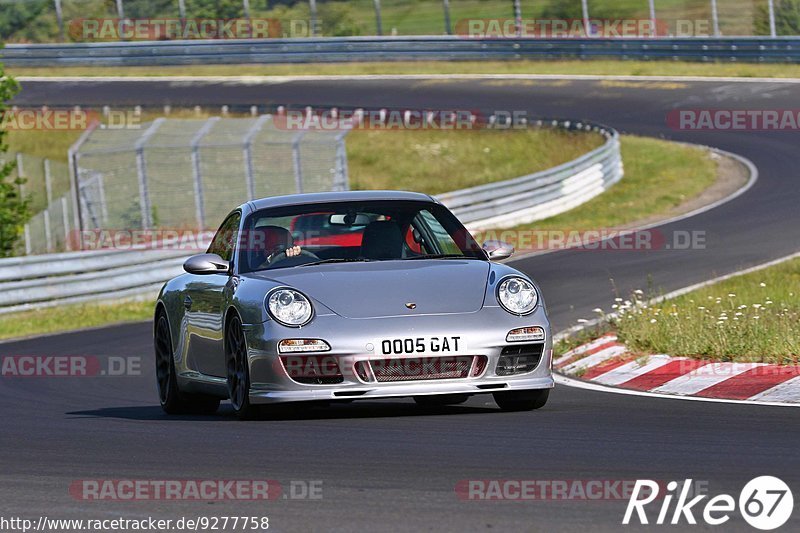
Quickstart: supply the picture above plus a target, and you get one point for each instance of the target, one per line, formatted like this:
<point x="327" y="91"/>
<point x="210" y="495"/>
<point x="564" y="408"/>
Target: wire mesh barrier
<point x="40" y="21"/>
<point x="46" y="183"/>
<point x="180" y="174"/>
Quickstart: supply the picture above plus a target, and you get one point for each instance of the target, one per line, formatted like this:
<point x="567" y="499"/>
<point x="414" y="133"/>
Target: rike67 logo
<point x="765" y="503"/>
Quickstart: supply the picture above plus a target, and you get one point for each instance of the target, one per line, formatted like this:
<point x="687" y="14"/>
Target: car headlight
<point x="289" y="307"/>
<point x="517" y="295"/>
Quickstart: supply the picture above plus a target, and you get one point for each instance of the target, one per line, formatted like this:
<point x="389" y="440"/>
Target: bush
<point x="14" y="210"/>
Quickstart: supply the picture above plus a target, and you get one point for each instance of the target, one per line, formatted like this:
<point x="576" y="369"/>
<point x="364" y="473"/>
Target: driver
<point x="273" y="243"/>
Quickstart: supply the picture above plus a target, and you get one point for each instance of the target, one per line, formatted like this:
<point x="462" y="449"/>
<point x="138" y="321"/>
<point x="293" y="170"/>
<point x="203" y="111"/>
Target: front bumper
<point x="484" y="333"/>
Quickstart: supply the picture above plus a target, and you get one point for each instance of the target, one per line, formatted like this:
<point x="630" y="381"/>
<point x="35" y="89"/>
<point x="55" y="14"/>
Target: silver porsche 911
<point x="345" y="296"/>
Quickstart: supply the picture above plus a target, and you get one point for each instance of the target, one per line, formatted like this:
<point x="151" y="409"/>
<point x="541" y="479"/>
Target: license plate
<point x="445" y="344"/>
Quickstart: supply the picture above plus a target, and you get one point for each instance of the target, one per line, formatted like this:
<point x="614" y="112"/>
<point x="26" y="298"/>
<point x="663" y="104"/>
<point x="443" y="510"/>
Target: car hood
<point x="383" y="288"/>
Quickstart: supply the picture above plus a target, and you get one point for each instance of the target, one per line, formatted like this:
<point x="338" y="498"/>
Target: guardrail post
<point x="20" y="174"/>
<point x="59" y="19"/>
<point x="378" y="20"/>
<point x="342" y="176"/>
<point x="772" y="30"/>
<point x="585" y="12"/>
<point x="446" y="7"/>
<point x="296" y="161"/>
<point x="74" y="174"/>
<point x="715" y="17"/>
<point x="141" y="172"/>
<point x="65" y="221"/>
<point x="248" y="154"/>
<point x="199" y="198"/>
<point x="101" y="190"/>
<point x="48" y="236"/>
<point x="48" y="181"/>
<point x="27" y="233"/>
<point x="312" y="5"/>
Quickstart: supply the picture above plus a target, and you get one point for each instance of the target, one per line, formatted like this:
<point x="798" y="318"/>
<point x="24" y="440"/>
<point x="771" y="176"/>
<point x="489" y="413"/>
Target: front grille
<point x="519" y="359"/>
<point x="313" y="369"/>
<point x="421" y="368"/>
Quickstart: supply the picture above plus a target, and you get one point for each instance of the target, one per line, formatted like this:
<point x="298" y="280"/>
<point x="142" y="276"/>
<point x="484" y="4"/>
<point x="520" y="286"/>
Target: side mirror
<point x="206" y="264"/>
<point x="497" y="250"/>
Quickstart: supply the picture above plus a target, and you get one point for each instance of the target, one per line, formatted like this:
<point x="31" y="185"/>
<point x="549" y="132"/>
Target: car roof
<point x="343" y="196"/>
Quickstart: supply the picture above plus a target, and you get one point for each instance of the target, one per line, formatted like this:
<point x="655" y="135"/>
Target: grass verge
<point x="575" y="66"/>
<point x="659" y="176"/>
<point x="434" y="162"/>
<point x="71" y="317"/>
<point x="748" y="318"/>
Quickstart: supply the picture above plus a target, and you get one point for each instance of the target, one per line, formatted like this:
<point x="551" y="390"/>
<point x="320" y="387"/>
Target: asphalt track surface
<point x="390" y="465"/>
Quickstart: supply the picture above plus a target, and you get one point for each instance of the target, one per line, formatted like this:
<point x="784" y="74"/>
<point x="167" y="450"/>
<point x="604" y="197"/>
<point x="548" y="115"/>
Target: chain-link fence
<point x="178" y="174"/>
<point x="27" y="21"/>
<point x="46" y="184"/>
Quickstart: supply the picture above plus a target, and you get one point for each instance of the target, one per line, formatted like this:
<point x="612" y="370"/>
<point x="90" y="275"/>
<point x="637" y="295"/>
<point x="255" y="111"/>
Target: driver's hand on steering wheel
<point x="293" y="251"/>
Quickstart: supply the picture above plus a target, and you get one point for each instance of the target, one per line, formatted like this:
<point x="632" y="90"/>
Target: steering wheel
<point x="278" y="254"/>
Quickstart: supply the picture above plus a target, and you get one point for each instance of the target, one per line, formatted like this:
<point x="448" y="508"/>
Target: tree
<point x="14" y="209"/>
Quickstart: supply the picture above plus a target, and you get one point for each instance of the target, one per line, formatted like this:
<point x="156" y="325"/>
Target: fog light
<point x="533" y="333"/>
<point x="303" y="345"/>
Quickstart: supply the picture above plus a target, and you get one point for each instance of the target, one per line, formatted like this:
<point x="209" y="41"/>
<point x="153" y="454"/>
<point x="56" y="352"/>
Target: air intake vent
<point x="519" y="359"/>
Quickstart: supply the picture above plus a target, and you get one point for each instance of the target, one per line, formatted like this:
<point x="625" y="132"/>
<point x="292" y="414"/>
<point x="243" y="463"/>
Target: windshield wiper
<point x="439" y="256"/>
<point x="337" y="260"/>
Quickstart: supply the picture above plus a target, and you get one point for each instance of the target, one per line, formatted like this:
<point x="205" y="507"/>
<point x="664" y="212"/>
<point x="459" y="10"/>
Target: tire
<point x="173" y="401"/>
<point x="238" y="371"/>
<point x="524" y="400"/>
<point x="439" y="400"/>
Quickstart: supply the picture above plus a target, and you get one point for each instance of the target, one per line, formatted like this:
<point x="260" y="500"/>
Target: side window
<point x="435" y="238"/>
<point x="225" y="239"/>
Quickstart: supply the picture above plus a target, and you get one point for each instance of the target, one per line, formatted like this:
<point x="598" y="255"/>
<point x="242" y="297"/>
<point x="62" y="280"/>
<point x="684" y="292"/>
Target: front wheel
<point x="238" y="371"/>
<point x="523" y="400"/>
<point x="173" y="401"/>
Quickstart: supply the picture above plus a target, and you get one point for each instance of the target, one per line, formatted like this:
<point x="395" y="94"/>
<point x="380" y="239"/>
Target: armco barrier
<point x="442" y="48"/>
<point x="46" y="280"/>
<point x="542" y="194"/>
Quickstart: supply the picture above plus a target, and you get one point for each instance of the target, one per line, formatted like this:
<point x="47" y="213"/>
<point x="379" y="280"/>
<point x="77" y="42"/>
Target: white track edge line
<point x="588" y="385"/>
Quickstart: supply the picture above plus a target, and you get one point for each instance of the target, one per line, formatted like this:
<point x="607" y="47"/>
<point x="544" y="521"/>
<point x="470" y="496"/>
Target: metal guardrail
<point x="442" y="48"/>
<point x="34" y="282"/>
<point x="542" y="194"/>
<point x="46" y="280"/>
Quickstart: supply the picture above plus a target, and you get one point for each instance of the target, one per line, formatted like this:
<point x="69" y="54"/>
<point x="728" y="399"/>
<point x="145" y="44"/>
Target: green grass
<point x="434" y="162"/>
<point x="400" y="17"/>
<point x="52" y="144"/>
<point x="747" y="318"/>
<point x="70" y="317"/>
<point x="659" y="176"/>
<point x="593" y="67"/>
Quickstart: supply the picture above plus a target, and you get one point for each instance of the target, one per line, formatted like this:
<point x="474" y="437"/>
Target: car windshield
<point x="338" y="232"/>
